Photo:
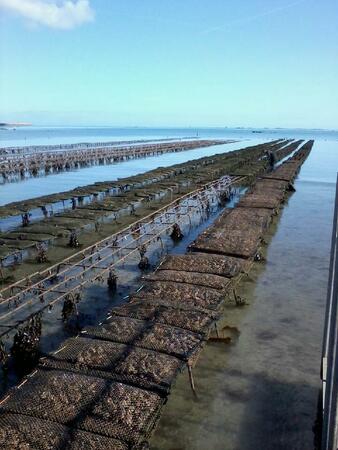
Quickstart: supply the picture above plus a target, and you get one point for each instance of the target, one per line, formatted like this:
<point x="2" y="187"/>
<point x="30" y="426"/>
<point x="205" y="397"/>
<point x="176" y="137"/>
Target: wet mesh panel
<point x="225" y="266"/>
<point x="292" y="163"/>
<point x="84" y="352"/>
<point x="174" y="341"/>
<point x="125" y="412"/>
<point x="271" y="184"/>
<point x="260" y="200"/>
<point x="276" y="194"/>
<point x="154" y="336"/>
<point x="143" y="383"/>
<point x="141" y="311"/>
<point x="281" y="177"/>
<point x="150" y="366"/>
<point x="287" y="171"/>
<point x="92" y="404"/>
<point x="185" y="296"/>
<point x="244" y="219"/>
<point x="23" y="432"/>
<point x="174" y="302"/>
<point x="264" y="188"/>
<point x="119" y="329"/>
<point x="143" y="446"/>
<point x="239" y="220"/>
<point x="161" y="389"/>
<point x="195" y="278"/>
<point x="235" y="243"/>
<point x="136" y="366"/>
<point x="196" y="321"/>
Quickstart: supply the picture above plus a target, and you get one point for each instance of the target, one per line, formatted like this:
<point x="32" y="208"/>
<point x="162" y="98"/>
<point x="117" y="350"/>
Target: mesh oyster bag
<point x="225" y="266"/>
<point x="185" y="296"/>
<point x="192" y="320"/>
<point x="87" y="403"/>
<point x="132" y="365"/>
<point x="235" y="243"/>
<point x="22" y="432"/>
<point x="153" y="336"/>
<point x="195" y="278"/>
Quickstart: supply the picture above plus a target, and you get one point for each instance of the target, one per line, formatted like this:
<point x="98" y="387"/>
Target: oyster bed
<point x="195" y="278"/>
<point x="25" y="433"/>
<point x="147" y="340"/>
<point x="153" y="336"/>
<point x="105" y="202"/>
<point x="87" y="403"/>
<point x="225" y="266"/>
<point x="186" y="295"/>
<point x="188" y="319"/>
<point x="234" y="244"/>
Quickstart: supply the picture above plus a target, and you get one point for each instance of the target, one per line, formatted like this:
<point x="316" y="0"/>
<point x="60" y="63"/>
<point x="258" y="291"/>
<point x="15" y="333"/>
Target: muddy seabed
<point x="261" y="391"/>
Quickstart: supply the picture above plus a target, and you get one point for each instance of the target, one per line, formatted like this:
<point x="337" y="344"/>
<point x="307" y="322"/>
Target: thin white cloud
<point x="63" y="14"/>
<point x="249" y="19"/>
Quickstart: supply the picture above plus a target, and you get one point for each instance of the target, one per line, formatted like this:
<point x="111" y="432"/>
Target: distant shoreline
<point x="18" y="124"/>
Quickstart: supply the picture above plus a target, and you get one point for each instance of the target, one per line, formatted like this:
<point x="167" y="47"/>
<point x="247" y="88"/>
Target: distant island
<point x="17" y="124"/>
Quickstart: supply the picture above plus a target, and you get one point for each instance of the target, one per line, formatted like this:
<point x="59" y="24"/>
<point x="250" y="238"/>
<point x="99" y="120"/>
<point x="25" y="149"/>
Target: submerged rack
<point x="78" y="389"/>
<point x="33" y="164"/>
<point x="95" y="262"/>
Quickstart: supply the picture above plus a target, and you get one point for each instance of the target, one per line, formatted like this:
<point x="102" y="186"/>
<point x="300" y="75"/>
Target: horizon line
<point x="168" y="127"/>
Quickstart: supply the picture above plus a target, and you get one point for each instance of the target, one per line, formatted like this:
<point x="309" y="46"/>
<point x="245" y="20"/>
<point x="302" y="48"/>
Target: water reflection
<point x="261" y="392"/>
<point x="35" y="187"/>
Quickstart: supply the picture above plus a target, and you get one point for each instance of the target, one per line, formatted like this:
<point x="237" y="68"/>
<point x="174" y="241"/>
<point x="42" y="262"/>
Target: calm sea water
<point x="63" y="181"/>
<point x="65" y="135"/>
<point x="261" y="391"/>
<point x="34" y="187"/>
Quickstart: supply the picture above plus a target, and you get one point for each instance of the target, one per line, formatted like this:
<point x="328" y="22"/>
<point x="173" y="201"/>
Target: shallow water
<point x="97" y="300"/>
<point x="261" y="391"/>
<point x="35" y="187"/>
<point x="25" y="136"/>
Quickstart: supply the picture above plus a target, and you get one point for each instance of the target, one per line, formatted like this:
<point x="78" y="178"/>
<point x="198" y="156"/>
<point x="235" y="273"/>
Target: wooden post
<point x="191" y="379"/>
<point x="235" y="295"/>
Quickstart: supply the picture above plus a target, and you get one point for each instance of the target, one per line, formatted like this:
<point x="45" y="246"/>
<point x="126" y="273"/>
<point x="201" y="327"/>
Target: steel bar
<point x="74" y="280"/>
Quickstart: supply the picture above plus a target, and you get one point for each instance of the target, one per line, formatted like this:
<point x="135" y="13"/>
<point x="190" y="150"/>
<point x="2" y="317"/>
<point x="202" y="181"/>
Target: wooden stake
<point x="191" y="379"/>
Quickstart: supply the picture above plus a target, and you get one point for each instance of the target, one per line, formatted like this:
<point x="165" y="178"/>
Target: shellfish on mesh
<point x="26" y="433"/>
<point x="172" y="340"/>
<point x="235" y="243"/>
<point x="92" y="404"/>
<point x="197" y="321"/>
<point x="226" y="266"/>
<point x="125" y="406"/>
<point x="149" y="365"/>
<point x="58" y="396"/>
<point x="180" y="295"/>
<point x="120" y="329"/>
<point x="93" y="355"/>
<point x="194" y="278"/>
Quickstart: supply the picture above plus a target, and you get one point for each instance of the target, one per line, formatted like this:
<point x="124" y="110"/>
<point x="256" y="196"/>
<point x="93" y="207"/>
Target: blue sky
<point x="170" y="62"/>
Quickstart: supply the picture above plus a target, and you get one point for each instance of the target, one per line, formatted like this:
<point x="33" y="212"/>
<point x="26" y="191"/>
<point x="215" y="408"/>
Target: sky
<point x="255" y="63"/>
